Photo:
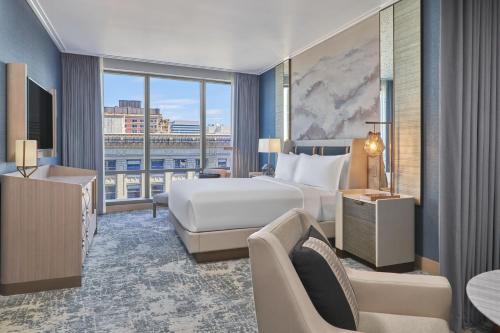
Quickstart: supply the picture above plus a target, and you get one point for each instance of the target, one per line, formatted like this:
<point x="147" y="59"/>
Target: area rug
<point x="139" y="278"/>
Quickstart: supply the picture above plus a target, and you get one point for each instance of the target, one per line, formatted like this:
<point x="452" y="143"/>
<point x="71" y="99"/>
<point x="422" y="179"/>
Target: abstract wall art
<point x="335" y="85"/>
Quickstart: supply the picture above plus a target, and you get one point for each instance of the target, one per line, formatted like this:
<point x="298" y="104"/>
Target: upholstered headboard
<point x="358" y="167"/>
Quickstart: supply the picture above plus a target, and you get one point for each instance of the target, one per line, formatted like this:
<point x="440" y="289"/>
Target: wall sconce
<point x="26" y="157"/>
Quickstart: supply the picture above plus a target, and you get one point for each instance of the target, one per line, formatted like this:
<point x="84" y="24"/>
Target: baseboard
<point x="128" y="207"/>
<point x="427" y="265"/>
<point x="230" y="254"/>
<point x="41" y="285"/>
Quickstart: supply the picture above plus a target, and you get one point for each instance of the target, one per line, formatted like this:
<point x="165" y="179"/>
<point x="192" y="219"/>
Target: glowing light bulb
<point x="374" y="145"/>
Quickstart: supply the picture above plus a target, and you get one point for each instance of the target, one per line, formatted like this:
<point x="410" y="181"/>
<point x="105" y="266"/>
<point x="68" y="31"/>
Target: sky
<point x="176" y="99"/>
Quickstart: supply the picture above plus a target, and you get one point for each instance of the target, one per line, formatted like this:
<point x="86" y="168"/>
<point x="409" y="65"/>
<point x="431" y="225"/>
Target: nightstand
<point x="255" y="174"/>
<point x="381" y="233"/>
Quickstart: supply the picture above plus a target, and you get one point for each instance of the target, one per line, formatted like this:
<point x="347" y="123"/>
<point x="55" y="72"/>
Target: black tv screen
<point x="39" y="115"/>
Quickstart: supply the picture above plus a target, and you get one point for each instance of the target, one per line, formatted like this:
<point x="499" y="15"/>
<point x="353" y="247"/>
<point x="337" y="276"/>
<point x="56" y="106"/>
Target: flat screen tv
<point x="39" y="115"/>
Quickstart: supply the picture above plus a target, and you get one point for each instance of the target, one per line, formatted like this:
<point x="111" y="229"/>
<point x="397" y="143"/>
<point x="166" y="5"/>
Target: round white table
<point x="484" y="292"/>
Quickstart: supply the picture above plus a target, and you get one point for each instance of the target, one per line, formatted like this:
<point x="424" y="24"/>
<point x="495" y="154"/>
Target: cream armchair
<point x="387" y="302"/>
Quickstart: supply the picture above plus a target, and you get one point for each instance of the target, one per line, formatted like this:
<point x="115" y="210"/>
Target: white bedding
<point x="234" y="203"/>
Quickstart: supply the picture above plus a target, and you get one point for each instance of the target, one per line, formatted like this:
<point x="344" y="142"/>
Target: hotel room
<point x="250" y="166"/>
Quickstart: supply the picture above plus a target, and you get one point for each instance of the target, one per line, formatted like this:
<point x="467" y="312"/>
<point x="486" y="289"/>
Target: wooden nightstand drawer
<point x="359" y="237"/>
<point x="359" y="209"/>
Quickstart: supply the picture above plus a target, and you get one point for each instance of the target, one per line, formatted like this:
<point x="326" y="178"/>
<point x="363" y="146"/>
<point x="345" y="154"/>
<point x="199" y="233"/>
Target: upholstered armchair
<point x="387" y="302"/>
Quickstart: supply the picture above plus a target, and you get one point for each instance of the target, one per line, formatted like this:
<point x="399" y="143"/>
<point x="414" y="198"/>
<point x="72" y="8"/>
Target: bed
<point x="214" y="217"/>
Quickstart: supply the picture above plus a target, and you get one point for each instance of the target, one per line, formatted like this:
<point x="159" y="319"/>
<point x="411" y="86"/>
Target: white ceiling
<point x="237" y="35"/>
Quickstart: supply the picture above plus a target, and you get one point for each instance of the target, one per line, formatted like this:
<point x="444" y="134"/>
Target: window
<point x="156" y="189"/>
<point x="218" y="124"/>
<point x="157" y="164"/>
<point x="110" y="165"/>
<point x="222" y="163"/>
<point x="110" y="192"/>
<point x="176" y="121"/>
<point x="133" y="191"/>
<point x="180" y="163"/>
<point x="133" y="164"/>
<point x="123" y="98"/>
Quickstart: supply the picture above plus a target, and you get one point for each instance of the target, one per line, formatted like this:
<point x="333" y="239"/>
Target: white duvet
<point x="233" y="203"/>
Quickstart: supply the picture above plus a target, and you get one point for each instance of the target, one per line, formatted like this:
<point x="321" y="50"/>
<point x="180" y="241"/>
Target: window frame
<point x="148" y="170"/>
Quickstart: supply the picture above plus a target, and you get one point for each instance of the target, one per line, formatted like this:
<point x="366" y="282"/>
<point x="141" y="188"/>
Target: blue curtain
<point x="245" y="124"/>
<point x="469" y="148"/>
<point x="82" y="140"/>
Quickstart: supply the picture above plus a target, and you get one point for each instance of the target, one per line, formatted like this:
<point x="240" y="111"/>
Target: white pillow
<point x="343" y="181"/>
<point x="321" y="171"/>
<point x="285" y="166"/>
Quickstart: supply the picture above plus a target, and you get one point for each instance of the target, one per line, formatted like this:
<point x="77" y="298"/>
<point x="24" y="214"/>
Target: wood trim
<point x="128" y="207"/>
<point x="16" y="107"/>
<point x="221" y="255"/>
<point x="41" y="285"/>
<point x="427" y="265"/>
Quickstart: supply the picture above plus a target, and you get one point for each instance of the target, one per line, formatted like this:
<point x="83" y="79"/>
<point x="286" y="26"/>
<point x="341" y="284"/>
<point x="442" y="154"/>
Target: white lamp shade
<point x="26" y="153"/>
<point x="269" y="145"/>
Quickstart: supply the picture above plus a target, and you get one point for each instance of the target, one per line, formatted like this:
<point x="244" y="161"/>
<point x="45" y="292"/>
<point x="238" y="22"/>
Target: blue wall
<point x="426" y="222"/>
<point x="267" y="113"/>
<point x="24" y="40"/>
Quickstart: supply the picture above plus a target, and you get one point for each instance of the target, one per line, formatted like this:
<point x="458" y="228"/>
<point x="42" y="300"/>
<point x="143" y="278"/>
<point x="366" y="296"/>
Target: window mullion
<point x="147" y="141"/>
<point x="203" y="125"/>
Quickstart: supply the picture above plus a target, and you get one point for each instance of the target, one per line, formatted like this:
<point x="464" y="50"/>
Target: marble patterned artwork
<point x="139" y="278"/>
<point x="335" y="85"/>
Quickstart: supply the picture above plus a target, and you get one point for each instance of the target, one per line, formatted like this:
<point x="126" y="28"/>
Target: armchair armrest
<point x="403" y="294"/>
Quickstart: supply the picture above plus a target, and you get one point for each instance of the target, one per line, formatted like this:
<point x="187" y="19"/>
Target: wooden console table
<point x="47" y="225"/>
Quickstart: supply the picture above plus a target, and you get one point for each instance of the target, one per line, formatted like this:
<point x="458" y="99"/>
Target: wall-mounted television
<point x="40" y="115"/>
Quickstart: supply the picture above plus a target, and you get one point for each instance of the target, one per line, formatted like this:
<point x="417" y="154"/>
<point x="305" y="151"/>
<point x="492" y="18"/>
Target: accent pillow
<point x="325" y="280"/>
<point x="285" y="166"/>
<point x="322" y="171"/>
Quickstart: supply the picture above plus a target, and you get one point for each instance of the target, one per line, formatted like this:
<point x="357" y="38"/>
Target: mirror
<point x="282" y="72"/>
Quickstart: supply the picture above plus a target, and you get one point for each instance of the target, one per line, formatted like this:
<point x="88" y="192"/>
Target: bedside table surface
<point x="356" y="194"/>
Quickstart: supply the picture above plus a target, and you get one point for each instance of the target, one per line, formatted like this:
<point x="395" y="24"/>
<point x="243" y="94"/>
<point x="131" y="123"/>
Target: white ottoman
<point x="159" y="200"/>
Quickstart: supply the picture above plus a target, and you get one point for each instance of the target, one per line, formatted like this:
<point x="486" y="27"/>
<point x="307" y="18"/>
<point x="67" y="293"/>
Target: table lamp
<point x="26" y="157"/>
<point x="269" y="146"/>
<point x="374" y="146"/>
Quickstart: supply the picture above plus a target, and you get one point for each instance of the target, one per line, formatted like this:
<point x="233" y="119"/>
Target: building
<point x="185" y="127"/>
<point x="128" y="117"/>
<point x="175" y="150"/>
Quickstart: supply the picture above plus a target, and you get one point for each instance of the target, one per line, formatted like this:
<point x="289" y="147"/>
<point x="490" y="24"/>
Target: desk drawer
<point x="359" y="209"/>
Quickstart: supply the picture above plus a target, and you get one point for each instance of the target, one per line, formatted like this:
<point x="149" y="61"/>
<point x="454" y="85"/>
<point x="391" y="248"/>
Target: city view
<point x="174" y="133"/>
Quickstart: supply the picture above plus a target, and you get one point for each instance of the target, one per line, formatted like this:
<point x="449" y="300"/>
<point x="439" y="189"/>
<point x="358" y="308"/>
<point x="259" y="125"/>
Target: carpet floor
<point x="139" y="278"/>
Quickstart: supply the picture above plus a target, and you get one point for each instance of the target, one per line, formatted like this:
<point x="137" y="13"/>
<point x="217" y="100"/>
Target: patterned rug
<point x="139" y="278"/>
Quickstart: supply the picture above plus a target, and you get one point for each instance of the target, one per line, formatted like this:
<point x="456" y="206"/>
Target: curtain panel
<point x="82" y="140"/>
<point x="245" y="124"/>
<point x="469" y="171"/>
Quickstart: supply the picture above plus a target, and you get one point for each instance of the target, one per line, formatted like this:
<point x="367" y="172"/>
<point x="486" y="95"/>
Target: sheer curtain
<point x="82" y="140"/>
<point x="469" y="189"/>
<point x="245" y="124"/>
